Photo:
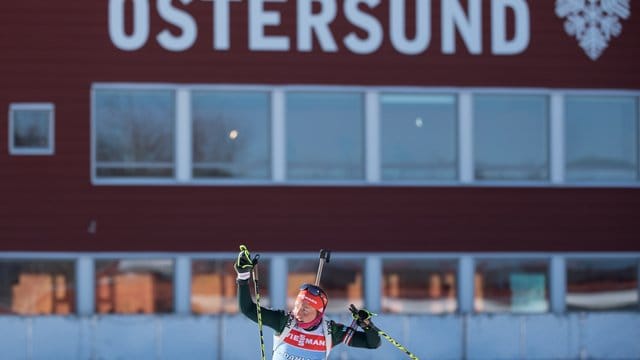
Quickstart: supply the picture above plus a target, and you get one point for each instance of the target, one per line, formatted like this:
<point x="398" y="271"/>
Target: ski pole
<point x="350" y="331"/>
<point x="254" y="272"/>
<point x="395" y="343"/>
<point x="354" y="325"/>
<point x="325" y="255"/>
<point x="363" y="314"/>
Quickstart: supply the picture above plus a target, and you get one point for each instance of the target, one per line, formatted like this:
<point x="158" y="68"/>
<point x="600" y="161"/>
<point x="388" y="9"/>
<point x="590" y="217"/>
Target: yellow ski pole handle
<point x="246" y="252"/>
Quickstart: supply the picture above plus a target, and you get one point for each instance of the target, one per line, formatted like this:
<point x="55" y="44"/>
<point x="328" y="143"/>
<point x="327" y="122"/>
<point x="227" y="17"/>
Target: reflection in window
<point x="419" y="286"/>
<point x="134" y="286"/>
<point x="37" y="287"/>
<point x="31" y="129"/>
<point x="511" y="137"/>
<point x="511" y="286"/>
<point x="213" y="286"/>
<point x="341" y="280"/>
<point x="231" y="134"/>
<point x="325" y="136"/>
<point x="601" y="138"/>
<point x="134" y="132"/>
<point x="602" y="285"/>
<point x="418" y="137"/>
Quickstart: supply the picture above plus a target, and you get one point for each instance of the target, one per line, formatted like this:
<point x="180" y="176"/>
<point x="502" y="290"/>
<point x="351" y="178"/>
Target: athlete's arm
<point x="275" y="319"/>
<point x="362" y="339"/>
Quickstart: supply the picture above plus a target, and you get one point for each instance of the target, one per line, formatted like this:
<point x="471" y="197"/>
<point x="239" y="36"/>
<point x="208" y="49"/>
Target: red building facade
<point x="55" y="52"/>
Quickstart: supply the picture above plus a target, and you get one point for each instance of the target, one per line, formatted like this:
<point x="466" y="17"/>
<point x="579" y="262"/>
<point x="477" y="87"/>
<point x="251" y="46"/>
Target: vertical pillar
<point x="278" y="282"/>
<point x="85" y="286"/>
<point x="278" y="136"/>
<point x="558" y="284"/>
<point x="182" y="286"/>
<point x="372" y="137"/>
<point x="183" y="135"/>
<point x="373" y="283"/>
<point x="465" y="137"/>
<point x="466" y="284"/>
<point x="557" y="138"/>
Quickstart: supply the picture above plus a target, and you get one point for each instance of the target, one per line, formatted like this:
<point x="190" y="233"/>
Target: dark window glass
<point x="511" y="137"/>
<point x="37" y="287"/>
<point x="511" y="286"/>
<point x="601" y="138"/>
<point x="602" y="285"/>
<point x="325" y="136"/>
<point x="419" y="286"/>
<point x="231" y="134"/>
<point x="31" y="129"/>
<point x="214" y="289"/>
<point x="135" y="133"/>
<point x="131" y="286"/>
<point x="418" y="137"/>
<point x="341" y="280"/>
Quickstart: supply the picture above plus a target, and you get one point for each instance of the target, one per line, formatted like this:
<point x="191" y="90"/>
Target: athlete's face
<point x="304" y="312"/>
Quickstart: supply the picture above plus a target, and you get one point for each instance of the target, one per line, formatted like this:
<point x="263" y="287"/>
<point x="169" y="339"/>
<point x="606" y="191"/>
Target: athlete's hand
<point x="362" y="316"/>
<point x="243" y="264"/>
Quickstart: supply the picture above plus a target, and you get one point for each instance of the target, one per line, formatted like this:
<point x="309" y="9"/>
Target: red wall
<point x="52" y="51"/>
<point x="57" y="216"/>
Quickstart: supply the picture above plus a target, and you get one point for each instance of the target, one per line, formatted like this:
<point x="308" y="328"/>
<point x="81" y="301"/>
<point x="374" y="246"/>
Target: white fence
<point x="547" y="336"/>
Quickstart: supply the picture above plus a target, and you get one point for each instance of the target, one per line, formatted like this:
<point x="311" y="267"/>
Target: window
<point x="231" y="135"/>
<point x="248" y="134"/>
<point x="325" y="136"/>
<point x="213" y="286"/>
<point x="505" y="285"/>
<point x="601" y="138"/>
<point x="31" y="129"/>
<point x="134" y="133"/>
<point x="419" y="286"/>
<point x="37" y="287"/>
<point x="418" y="137"/>
<point x="511" y="137"/>
<point x="602" y="284"/>
<point x="342" y="280"/>
<point x="131" y="286"/>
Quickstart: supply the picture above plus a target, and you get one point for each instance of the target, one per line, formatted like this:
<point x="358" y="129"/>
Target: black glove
<point x="362" y="316"/>
<point x="243" y="264"/>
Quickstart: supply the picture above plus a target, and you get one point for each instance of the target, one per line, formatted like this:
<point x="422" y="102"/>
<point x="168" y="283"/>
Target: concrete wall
<point x="574" y="336"/>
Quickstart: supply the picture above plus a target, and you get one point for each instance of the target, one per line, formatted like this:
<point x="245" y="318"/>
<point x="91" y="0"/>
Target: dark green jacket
<point x="277" y="320"/>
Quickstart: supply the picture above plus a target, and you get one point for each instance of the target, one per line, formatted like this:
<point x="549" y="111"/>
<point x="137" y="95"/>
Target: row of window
<point x="177" y="134"/>
<point x="195" y="134"/>
<point x="405" y="285"/>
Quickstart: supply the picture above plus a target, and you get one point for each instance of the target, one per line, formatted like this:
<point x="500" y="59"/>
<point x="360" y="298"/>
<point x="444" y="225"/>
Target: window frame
<point x="510" y="261"/>
<point x="556" y="99"/>
<point x="85" y="278"/>
<point x="43" y="106"/>
<point x="362" y="123"/>
<point x="546" y="133"/>
<point x="597" y="260"/>
<point x="455" y="97"/>
<point x="589" y="94"/>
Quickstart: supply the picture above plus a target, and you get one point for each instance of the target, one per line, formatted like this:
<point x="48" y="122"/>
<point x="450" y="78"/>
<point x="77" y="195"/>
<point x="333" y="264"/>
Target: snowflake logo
<point x="593" y="22"/>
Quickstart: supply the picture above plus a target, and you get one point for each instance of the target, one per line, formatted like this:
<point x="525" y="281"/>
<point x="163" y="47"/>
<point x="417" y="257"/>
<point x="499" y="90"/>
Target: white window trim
<point x="50" y="150"/>
<point x="372" y="137"/>
<point x="556" y="138"/>
<point x="183" y="126"/>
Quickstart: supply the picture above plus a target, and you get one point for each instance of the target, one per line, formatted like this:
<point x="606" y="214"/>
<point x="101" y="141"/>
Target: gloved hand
<point x="243" y="264"/>
<point x="362" y="316"/>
